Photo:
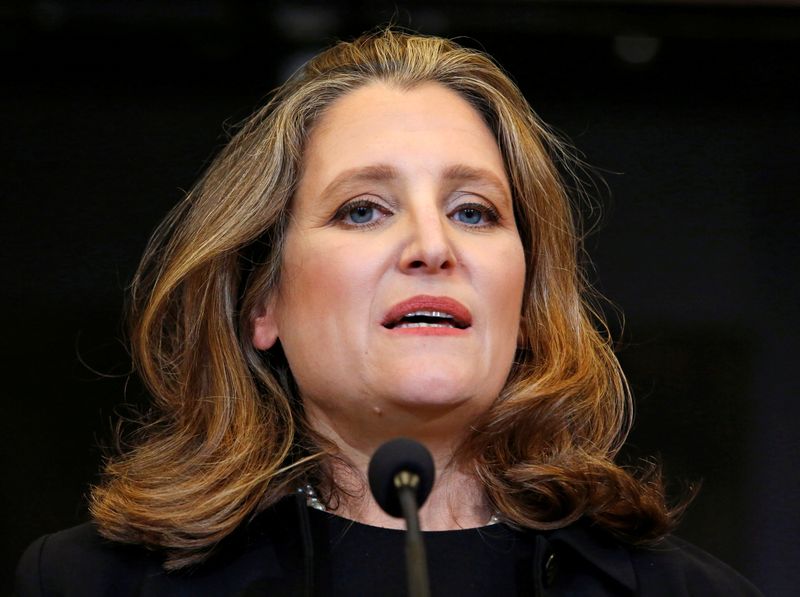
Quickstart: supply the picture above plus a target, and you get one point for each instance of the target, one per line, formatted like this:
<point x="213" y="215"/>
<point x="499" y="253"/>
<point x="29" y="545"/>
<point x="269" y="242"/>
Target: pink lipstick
<point x="428" y="315"/>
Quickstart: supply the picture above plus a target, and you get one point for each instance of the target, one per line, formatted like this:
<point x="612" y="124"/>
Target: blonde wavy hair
<point x="226" y="437"/>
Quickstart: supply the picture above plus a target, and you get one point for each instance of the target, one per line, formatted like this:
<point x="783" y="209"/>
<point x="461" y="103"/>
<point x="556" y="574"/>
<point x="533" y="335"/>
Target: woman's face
<point x="400" y="295"/>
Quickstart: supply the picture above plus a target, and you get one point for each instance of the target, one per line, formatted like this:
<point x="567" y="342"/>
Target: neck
<point x="457" y="500"/>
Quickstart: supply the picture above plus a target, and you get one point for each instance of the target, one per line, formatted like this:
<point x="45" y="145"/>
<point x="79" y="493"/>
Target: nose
<point x="429" y="246"/>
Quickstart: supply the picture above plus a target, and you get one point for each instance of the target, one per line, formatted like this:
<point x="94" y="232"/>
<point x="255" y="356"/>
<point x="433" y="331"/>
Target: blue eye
<point x="469" y="215"/>
<point x="361" y="214"/>
<point x="475" y="215"/>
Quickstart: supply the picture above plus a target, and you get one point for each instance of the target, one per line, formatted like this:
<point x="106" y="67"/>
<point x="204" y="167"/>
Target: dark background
<point x="110" y="109"/>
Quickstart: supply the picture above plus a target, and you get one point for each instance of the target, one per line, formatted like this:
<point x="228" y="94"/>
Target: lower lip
<point x="428" y="331"/>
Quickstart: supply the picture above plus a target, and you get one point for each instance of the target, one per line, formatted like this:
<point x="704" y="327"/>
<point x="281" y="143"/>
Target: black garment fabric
<point x="267" y="558"/>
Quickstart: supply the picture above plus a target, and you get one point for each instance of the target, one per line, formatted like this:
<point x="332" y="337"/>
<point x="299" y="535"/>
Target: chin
<point x="438" y="391"/>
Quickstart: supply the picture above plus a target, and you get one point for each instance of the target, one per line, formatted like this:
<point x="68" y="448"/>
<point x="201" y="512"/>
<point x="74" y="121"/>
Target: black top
<point x="357" y="559"/>
<point x="267" y="557"/>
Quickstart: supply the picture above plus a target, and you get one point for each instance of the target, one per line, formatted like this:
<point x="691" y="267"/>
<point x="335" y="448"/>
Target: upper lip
<point x="436" y="306"/>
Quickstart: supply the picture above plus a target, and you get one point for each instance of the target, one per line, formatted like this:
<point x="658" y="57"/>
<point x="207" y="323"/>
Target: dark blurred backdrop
<point x="109" y="110"/>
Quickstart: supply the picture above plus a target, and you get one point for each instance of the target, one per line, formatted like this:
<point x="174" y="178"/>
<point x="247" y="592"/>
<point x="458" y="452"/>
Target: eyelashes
<point x="361" y="213"/>
<point x="475" y="215"/>
<point x="366" y="214"/>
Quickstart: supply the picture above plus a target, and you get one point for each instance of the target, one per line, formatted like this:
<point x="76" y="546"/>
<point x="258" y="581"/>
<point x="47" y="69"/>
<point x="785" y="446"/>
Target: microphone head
<point x="395" y="456"/>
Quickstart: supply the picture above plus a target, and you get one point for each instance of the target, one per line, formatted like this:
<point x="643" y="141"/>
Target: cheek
<point x="323" y="286"/>
<point x="503" y="287"/>
<point x="505" y="284"/>
<point x="325" y="296"/>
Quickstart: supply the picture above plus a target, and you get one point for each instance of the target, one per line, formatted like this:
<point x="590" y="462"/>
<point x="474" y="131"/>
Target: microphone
<point x="401" y="474"/>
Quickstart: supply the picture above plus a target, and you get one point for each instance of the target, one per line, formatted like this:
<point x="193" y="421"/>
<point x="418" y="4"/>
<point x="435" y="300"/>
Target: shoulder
<point x="687" y="567"/>
<point x="673" y="567"/>
<point x="80" y="560"/>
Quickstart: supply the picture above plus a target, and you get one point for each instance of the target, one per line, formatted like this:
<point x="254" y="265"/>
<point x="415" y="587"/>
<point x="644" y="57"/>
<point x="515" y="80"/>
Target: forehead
<point x="428" y="126"/>
<point x="424" y="104"/>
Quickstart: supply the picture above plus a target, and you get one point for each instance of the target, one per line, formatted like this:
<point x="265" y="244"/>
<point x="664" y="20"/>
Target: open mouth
<point x="425" y="311"/>
<point x="427" y="319"/>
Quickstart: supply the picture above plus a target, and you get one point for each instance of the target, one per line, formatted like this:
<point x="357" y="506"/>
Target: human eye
<point x="360" y="213"/>
<point x="475" y="215"/>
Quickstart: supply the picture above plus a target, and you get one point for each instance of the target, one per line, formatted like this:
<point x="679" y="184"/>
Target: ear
<point x="264" y="326"/>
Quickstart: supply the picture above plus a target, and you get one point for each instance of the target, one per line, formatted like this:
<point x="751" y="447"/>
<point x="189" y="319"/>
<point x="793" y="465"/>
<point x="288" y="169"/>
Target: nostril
<point x="421" y="264"/>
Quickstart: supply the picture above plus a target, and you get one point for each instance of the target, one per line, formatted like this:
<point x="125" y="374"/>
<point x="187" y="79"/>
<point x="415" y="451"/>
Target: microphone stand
<point x="416" y="562"/>
<point x="401" y="475"/>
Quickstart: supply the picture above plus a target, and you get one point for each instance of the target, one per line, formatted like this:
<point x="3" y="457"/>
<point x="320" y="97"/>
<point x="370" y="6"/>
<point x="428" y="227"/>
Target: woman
<point x="384" y="250"/>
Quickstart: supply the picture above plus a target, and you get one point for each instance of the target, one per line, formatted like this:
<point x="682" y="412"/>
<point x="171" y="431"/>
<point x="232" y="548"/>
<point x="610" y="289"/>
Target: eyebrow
<point x="462" y="172"/>
<point x="374" y="173"/>
<point x="384" y="172"/>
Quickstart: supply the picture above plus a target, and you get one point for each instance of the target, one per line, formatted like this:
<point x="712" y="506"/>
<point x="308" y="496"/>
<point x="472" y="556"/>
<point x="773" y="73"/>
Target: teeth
<point x="439" y="314"/>
<point x="425" y="318"/>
